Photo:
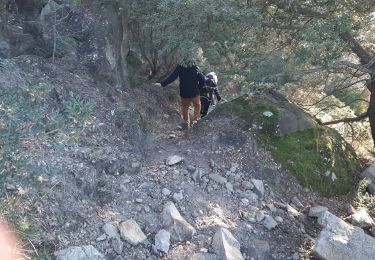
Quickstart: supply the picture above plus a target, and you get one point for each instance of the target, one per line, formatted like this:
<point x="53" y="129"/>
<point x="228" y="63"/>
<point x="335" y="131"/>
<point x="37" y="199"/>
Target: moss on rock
<point x="318" y="156"/>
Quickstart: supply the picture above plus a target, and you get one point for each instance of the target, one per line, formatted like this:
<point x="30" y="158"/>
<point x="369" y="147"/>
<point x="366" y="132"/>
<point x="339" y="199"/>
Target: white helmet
<point x="213" y="76"/>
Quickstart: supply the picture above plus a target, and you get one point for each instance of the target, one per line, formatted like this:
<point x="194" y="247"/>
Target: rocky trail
<point x="216" y="176"/>
<point x="209" y="192"/>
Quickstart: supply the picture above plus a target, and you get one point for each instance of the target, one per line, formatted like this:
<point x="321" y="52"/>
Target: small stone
<point x="10" y="187"/>
<point x="279" y="219"/>
<point x="258" y="187"/>
<point x="217" y="178"/>
<point x="166" y="192"/>
<point x="247" y="185"/>
<point x="297" y="202"/>
<point x="146" y="208"/>
<point x="234" y="167"/>
<point x="259" y="216"/>
<point x="131" y="232"/>
<point x="101" y="238"/>
<point x="139" y="200"/>
<point x="212" y="164"/>
<point x="295" y="256"/>
<point x="136" y="164"/>
<point x="245" y="202"/>
<point x="362" y="219"/>
<point x="272" y="208"/>
<point x="372" y="231"/>
<point x="269" y="222"/>
<point x="191" y="168"/>
<point x="173" y="160"/>
<point x="162" y="241"/>
<point x="229" y="187"/>
<point x="117" y="245"/>
<point x="111" y="230"/>
<point x="178" y="196"/>
<point x="317" y="211"/>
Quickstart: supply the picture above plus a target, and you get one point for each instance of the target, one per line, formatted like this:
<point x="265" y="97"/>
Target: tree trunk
<point x="371" y="108"/>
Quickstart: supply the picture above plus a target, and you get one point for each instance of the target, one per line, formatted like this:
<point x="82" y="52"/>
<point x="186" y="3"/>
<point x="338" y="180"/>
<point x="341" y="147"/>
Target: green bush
<point x="77" y="109"/>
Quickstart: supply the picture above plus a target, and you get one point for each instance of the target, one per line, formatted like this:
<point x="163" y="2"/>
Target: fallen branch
<point x="347" y="120"/>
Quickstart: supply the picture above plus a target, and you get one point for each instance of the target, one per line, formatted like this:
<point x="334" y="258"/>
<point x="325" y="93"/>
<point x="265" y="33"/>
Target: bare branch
<point x="348" y="120"/>
<point x="358" y="67"/>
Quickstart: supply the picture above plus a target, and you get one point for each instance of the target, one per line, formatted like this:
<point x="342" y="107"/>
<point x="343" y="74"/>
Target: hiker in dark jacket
<point x="207" y="93"/>
<point x="191" y="80"/>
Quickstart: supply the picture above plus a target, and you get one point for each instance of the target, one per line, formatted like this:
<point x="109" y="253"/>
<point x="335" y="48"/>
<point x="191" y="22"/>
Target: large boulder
<point x="173" y="222"/>
<point x="342" y="241"/>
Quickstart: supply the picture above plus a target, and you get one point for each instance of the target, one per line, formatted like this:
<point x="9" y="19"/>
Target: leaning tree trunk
<point x="371" y="108"/>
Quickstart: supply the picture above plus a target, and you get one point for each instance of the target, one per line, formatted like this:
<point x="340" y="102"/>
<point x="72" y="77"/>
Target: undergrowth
<point x="319" y="157"/>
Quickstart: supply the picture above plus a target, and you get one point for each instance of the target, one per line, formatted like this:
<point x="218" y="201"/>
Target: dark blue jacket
<point x="191" y="80"/>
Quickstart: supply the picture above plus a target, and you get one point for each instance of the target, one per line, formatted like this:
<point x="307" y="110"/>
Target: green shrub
<point x="77" y="109"/>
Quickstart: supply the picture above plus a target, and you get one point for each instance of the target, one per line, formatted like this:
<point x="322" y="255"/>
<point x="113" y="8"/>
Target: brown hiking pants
<point x="185" y="102"/>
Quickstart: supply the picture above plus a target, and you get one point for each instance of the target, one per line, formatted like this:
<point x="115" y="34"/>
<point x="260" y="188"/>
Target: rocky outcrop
<point x="342" y="241"/>
<point x="369" y="174"/>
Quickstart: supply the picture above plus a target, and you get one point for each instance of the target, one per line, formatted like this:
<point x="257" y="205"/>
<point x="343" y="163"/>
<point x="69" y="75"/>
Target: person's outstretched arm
<point x="171" y="77"/>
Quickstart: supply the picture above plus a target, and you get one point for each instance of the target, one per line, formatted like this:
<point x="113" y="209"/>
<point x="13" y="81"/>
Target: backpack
<point x="210" y="83"/>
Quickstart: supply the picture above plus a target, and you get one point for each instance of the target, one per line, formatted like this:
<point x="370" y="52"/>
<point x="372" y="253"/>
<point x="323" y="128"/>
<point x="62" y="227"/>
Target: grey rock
<point x="272" y="208"/>
<point x="111" y="230"/>
<point x="234" y="167"/>
<point x="178" y="196"/>
<point x="297" y="202"/>
<point x="118" y="258"/>
<point x="162" y="241"/>
<point x="201" y="256"/>
<point x="317" y="211"/>
<point x="217" y="178"/>
<point x="117" y="245"/>
<point x="10" y="187"/>
<point x="251" y="196"/>
<point x="79" y="253"/>
<point x="191" y="168"/>
<point x="372" y="231"/>
<point x="259" y="216"/>
<point x="362" y="219"/>
<point x="258" y="187"/>
<point x="258" y="249"/>
<point x="212" y="164"/>
<point x="229" y="187"/>
<point x="292" y="211"/>
<point x="247" y="185"/>
<point x="138" y="200"/>
<point x="245" y="202"/>
<point x="173" y="160"/>
<point x="369" y="174"/>
<point x="269" y="222"/>
<point x="4" y="49"/>
<point x="166" y="192"/>
<point x="173" y="222"/>
<point x="342" y="241"/>
<point x="295" y="256"/>
<point x="226" y="246"/>
<point x="279" y="219"/>
<point x="131" y="232"/>
<point x="101" y="238"/>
